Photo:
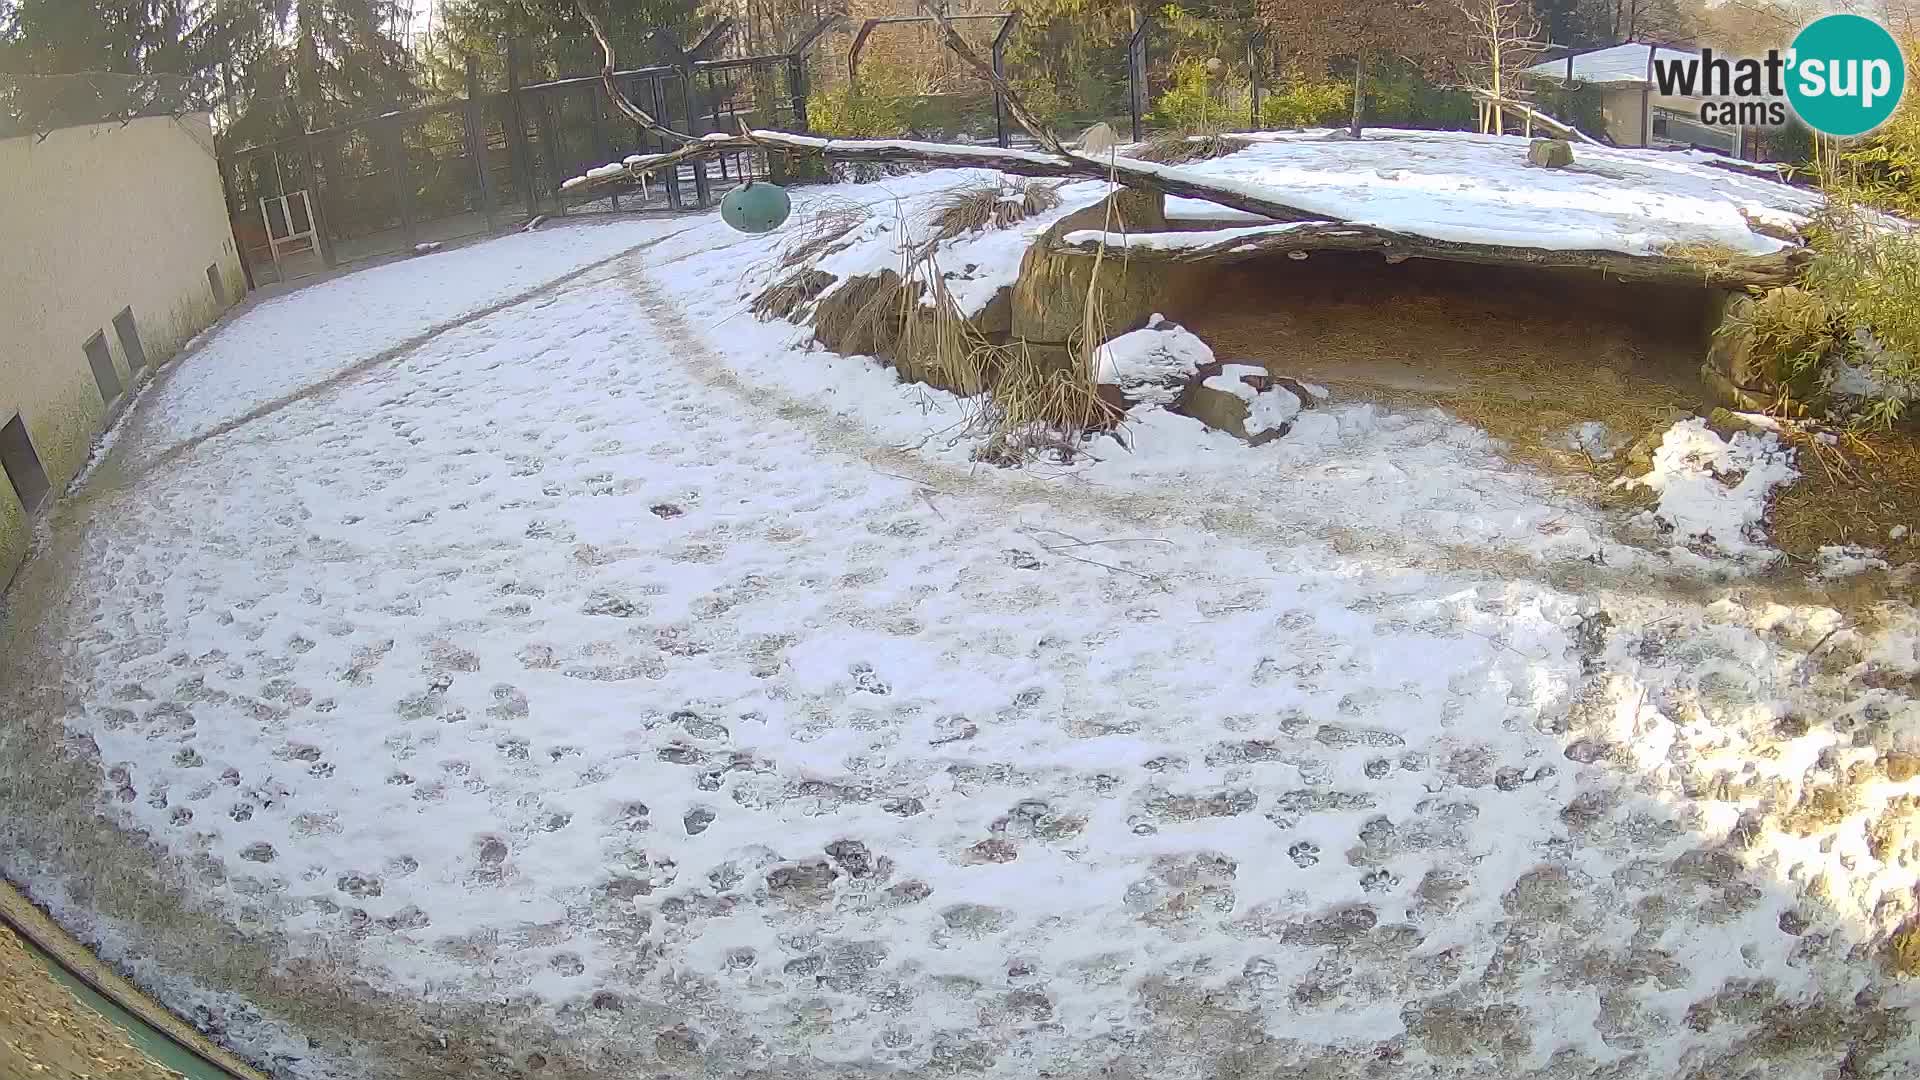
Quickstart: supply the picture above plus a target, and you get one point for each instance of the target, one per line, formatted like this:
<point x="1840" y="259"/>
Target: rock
<point x="1550" y="153"/>
<point x="1050" y="296"/>
<point x="1899" y="766"/>
<point x="1151" y="365"/>
<point x="1099" y="139"/>
<point x="1726" y="423"/>
<point x="1640" y="453"/>
<point x="1244" y="401"/>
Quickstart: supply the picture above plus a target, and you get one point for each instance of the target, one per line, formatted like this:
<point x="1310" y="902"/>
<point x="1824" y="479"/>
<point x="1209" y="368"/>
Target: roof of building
<point x="1623" y="64"/>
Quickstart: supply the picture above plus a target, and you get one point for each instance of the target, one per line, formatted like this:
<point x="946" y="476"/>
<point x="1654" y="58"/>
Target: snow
<point x="272" y="352"/>
<point x="566" y="635"/>
<point x="1714" y="491"/>
<point x="1149" y="364"/>
<point x="1595" y="439"/>
<point x="1471" y="188"/>
<point x="1628" y="64"/>
<point x="1846" y="560"/>
<point x="1271" y="409"/>
<point x="1179" y="241"/>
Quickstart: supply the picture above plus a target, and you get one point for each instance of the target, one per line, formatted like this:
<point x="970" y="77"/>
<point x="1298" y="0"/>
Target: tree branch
<point x="937" y="11"/>
<point x="633" y="112"/>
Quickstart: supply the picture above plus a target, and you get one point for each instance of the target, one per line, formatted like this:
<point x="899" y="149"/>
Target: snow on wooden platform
<point x="1460" y="186"/>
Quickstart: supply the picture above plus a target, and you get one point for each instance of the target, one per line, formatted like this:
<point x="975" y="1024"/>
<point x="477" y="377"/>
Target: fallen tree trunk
<point x="1305" y="238"/>
<point x="1141" y="175"/>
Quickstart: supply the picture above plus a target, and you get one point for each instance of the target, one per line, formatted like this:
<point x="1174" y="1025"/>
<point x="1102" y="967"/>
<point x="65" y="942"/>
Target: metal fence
<point x="385" y="184"/>
<point x="38" y="104"/>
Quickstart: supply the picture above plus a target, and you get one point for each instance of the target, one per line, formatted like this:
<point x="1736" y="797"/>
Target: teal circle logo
<point x="1846" y="75"/>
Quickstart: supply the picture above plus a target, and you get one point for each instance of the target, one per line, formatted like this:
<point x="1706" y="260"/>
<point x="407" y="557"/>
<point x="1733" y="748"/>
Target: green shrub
<point x="1870" y="274"/>
<point x="1307" y="103"/>
<point x="871" y="112"/>
<point x="1883" y="169"/>
<point x="1199" y="103"/>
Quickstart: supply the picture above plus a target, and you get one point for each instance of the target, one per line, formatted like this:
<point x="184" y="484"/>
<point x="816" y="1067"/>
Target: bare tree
<point x="1503" y="39"/>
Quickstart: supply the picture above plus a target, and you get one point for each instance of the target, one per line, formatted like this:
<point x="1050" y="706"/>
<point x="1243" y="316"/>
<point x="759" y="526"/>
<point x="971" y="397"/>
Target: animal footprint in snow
<point x="1304" y="854"/>
<point x="1378" y="881"/>
<point x="867" y="681"/>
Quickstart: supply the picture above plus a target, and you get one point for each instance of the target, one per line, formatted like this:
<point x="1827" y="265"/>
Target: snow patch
<point x="1714" y="491"/>
<point x="1148" y="365"/>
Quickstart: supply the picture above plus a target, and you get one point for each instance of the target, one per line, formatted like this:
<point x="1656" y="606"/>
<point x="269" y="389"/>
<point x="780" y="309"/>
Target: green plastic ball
<point x="756" y="207"/>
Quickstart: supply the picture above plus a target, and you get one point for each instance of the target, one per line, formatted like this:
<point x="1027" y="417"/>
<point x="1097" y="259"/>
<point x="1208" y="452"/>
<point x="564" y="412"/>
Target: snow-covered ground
<point x="610" y="681"/>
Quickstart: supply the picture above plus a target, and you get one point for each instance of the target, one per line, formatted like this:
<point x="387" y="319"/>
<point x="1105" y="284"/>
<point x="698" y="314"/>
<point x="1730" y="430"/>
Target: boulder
<point x="1550" y="153"/>
<point x="1100" y="140"/>
<point x="1245" y="401"/>
<point x="1049" y="300"/>
<point x="1152" y="365"/>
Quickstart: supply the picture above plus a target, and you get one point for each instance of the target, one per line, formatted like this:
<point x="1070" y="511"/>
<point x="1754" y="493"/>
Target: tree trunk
<point x="1359" y="91"/>
<point x="1736" y="272"/>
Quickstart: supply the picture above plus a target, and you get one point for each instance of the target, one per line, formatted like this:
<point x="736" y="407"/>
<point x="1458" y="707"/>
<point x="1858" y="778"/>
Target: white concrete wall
<point x="94" y="219"/>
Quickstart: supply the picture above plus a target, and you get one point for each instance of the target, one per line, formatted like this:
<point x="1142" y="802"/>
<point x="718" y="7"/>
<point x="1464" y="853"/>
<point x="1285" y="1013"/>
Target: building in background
<point x="1633" y="111"/>
<point x="114" y="251"/>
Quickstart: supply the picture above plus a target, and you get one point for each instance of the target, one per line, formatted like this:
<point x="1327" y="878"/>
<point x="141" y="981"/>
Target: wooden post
<point x="393" y="137"/>
<point x="477" y="140"/>
<point x="517" y="147"/>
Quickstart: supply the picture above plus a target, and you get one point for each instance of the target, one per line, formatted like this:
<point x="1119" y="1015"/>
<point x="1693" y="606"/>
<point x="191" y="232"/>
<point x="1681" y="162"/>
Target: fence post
<point x="1137" y="72"/>
<point x="696" y="123"/>
<point x="393" y="139"/>
<point x="517" y="147"/>
<point x="601" y="145"/>
<point x="1000" y="69"/>
<point x="323" y="237"/>
<point x="477" y="140"/>
<point x="1256" y="76"/>
<point x="661" y="113"/>
<point x="550" y="150"/>
<point x="797" y="86"/>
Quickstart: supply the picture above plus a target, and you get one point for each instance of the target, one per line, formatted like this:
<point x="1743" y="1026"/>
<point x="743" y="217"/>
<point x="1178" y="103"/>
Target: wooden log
<point x="1305" y="238"/>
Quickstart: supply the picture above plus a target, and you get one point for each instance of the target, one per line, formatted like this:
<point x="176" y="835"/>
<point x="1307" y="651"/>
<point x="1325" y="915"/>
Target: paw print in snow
<point x="867" y="681"/>
<point x="1021" y="560"/>
<point x="1304" y="854"/>
<point x="1378" y="881"/>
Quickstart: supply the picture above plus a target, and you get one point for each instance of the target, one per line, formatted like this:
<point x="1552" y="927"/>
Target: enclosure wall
<point x="93" y="220"/>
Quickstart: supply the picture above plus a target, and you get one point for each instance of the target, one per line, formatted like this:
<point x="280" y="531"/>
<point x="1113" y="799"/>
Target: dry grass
<point x="789" y="296"/>
<point x="1180" y="149"/>
<point x="1903" y="950"/>
<point x="993" y="205"/>
<point x="827" y="225"/>
<point x="1855" y="491"/>
<point x="1820" y="809"/>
